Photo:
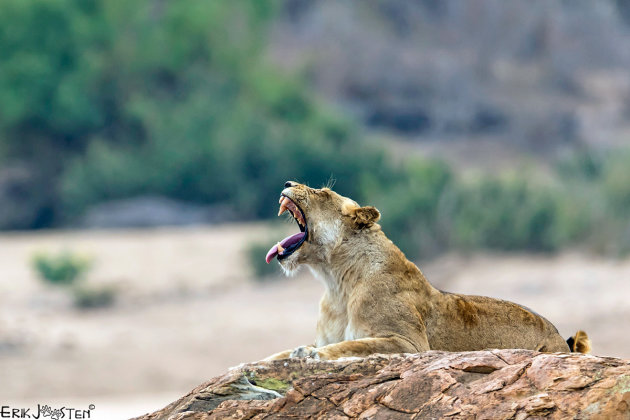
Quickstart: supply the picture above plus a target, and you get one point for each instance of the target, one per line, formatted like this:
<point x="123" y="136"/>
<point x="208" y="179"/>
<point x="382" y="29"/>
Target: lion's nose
<point x="290" y="184"/>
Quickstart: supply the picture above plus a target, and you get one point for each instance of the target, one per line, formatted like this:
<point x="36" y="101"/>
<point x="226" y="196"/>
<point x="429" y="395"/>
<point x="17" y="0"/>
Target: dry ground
<point x="188" y="309"/>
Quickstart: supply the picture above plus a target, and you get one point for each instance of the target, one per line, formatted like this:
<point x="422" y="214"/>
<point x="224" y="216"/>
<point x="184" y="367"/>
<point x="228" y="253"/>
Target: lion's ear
<point x="361" y="216"/>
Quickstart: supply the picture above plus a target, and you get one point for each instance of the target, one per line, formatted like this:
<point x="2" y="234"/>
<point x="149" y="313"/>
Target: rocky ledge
<point x="496" y="384"/>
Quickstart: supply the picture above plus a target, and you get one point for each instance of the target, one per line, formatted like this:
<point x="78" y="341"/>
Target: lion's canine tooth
<point x="283" y="205"/>
<point x="280" y="249"/>
<point x="282" y="209"/>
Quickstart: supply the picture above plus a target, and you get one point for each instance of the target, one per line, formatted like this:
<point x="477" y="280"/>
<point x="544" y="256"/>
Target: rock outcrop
<point x="493" y="384"/>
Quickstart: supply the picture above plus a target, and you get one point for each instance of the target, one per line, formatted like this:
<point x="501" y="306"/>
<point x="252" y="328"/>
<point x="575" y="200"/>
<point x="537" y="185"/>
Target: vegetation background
<point x="475" y="127"/>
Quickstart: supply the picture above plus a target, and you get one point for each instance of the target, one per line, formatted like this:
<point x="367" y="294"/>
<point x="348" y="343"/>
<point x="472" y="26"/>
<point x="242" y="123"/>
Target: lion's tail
<point x="579" y="343"/>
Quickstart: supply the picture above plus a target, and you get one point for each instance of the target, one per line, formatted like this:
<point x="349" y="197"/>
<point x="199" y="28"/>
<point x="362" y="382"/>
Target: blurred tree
<point x="108" y="99"/>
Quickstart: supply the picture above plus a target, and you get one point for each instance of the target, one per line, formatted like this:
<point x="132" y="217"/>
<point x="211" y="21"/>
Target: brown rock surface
<point x="492" y="384"/>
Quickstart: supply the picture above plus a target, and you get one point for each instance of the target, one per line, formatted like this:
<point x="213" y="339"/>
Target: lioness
<point x="377" y="301"/>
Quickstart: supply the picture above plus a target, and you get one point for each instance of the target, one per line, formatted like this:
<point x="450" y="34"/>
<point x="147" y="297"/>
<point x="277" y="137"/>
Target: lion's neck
<point x="326" y="276"/>
<point x="363" y="260"/>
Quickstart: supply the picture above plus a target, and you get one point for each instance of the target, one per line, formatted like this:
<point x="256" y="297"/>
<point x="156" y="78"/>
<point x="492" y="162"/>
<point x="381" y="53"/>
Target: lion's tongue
<point x="285" y="243"/>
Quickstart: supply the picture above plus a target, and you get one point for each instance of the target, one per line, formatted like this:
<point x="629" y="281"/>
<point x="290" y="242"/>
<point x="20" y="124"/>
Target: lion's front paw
<point x="304" y="351"/>
<point x="279" y="356"/>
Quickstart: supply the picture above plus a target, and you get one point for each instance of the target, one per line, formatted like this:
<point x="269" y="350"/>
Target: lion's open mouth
<point x="288" y="245"/>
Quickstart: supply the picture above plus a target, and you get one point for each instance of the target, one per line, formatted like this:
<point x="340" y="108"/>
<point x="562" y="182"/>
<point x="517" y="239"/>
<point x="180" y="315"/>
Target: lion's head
<point x="325" y="219"/>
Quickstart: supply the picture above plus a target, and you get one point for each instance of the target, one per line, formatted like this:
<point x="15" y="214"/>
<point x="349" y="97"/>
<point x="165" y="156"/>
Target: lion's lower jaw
<point x="290" y="266"/>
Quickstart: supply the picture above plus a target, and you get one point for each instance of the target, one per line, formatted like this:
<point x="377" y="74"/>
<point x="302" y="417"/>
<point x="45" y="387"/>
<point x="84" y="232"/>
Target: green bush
<point x="68" y="270"/>
<point x="581" y="165"/>
<point x="616" y="185"/>
<point x="64" y="269"/>
<point x="430" y="209"/>
<point x="506" y="214"/>
<point x="412" y="205"/>
<point x="597" y="183"/>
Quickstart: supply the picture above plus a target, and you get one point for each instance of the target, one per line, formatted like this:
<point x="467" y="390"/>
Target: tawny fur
<point x="377" y="301"/>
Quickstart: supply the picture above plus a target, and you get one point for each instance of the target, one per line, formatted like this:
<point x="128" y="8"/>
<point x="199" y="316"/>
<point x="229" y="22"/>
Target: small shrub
<point x="63" y="269"/>
<point x="256" y="253"/>
<point x="93" y="297"/>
